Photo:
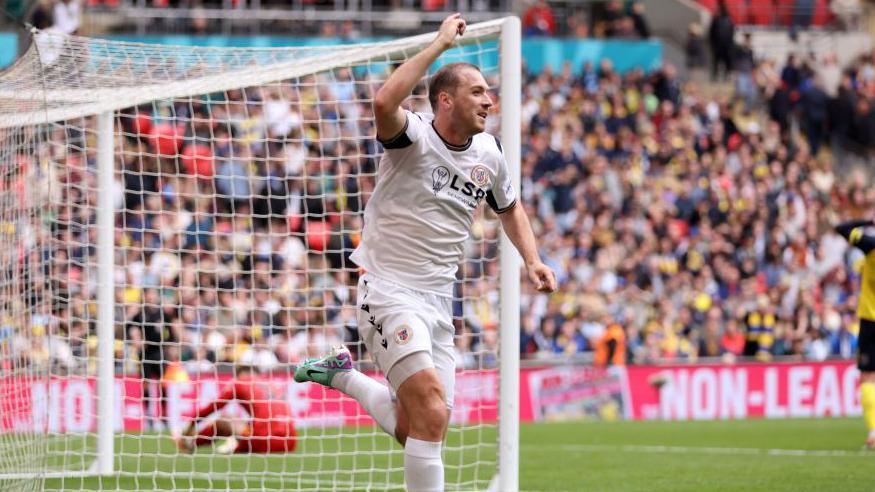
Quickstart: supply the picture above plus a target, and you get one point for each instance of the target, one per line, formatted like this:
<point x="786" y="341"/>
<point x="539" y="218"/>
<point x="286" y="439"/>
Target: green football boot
<point x="323" y="370"/>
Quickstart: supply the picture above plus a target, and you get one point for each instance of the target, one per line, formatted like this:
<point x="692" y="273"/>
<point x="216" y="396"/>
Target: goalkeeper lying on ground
<point x="269" y="429"/>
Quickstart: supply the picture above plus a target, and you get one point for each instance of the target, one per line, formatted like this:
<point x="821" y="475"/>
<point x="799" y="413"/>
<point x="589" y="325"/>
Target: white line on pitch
<point x="705" y="450"/>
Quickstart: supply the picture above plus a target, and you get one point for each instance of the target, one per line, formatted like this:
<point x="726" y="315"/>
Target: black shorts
<point x="866" y="346"/>
<point x="152" y="364"/>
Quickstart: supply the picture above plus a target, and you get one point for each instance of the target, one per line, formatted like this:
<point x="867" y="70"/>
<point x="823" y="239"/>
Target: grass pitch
<point x="754" y="455"/>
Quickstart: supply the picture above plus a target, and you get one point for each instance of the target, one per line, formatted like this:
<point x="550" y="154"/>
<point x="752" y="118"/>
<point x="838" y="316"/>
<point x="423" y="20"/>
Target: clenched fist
<point x="451" y="27"/>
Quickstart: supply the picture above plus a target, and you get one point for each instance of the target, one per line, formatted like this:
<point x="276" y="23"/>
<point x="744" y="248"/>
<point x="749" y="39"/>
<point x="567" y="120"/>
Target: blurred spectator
<point x="68" y="16"/>
<point x="199" y="362"/>
<point x="43" y="16"/>
<point x="760" y="324"/>
<point x="815" y="107"/>
<point x="817" y="348"/>
<point x="578" y="25"/>
<point x="732" y="342"/>
<point x="538" y="20"/>
<point x="780" y="106"/>
<point x="791" y="74"/>
<point x="259" y="355"/>
<point x="710" y="338"/>
<point x="695" y="57"/>
<point x="464" y="349"/>
<point x="862" y="130"/>
<point x="612" y="19"/>
<point x="721" y="36"/>
<point x="198" y="22"/>
<point x="803" y="14"/>
<point x="547" y="345"/>
<point x="349" y="33"/>
<point x="830" y="74"/>
<point x="570" y="341"/>
<point x="743" y="64"/>
<point x="50" y="38"/>
<point x="642" y="28"/>
<point x="843" y="339"/>
<point x="149" y="330"/>
<point x="610" y="349"/>
<point x="848" y="12"/>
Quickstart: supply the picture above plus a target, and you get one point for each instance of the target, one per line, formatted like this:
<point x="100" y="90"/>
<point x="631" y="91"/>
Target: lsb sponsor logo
<point x="457" y="186"/>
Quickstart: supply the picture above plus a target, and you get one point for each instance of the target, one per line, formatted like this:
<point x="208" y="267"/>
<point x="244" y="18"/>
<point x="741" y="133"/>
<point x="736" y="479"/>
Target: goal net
<point x="172" y="214"/>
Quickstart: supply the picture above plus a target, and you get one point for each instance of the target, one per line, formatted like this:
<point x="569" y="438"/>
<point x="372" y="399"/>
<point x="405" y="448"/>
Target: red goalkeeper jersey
<point x="271" y="429"/>
<point x="254" y="396"/>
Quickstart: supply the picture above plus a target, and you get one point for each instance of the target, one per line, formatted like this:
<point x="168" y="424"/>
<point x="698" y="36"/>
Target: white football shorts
<point x="396" y="322"/>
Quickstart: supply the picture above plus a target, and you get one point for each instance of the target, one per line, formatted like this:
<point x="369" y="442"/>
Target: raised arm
<point x="853" y="232"/>
<point x="387" y="103"/>
<point x="519" y="230"/>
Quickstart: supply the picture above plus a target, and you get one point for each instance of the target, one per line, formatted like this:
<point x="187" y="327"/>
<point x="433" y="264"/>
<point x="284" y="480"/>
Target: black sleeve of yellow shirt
<point x="853" y="232"/>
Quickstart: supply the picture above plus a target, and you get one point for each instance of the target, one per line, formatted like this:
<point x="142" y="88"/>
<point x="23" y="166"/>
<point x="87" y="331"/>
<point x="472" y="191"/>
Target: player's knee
<point x="439" y="431"/>
<point x="431" y="414"/>
<point x="434" y="423"/>
<point x="423" y="399"/>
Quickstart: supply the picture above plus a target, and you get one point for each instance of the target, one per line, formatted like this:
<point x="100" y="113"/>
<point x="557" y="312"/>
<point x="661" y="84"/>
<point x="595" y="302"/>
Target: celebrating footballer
<point x="435" y="172"/>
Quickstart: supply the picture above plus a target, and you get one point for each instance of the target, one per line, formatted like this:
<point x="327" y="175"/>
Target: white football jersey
<point x="421" y="211"/>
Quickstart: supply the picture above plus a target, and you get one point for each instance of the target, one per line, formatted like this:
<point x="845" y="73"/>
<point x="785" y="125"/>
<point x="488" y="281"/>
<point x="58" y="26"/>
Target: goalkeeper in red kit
<point x="269" y="428"/>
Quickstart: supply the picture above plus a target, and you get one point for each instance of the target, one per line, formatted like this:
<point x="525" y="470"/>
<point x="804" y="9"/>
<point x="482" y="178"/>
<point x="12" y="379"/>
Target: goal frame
<point x="507" y="478"/>
<point x="510" y="60"/>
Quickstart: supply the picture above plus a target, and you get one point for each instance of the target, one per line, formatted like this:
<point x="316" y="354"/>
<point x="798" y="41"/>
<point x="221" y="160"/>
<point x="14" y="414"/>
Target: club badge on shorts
<point x="403" y="334"/>
<point x="480" y="175"/>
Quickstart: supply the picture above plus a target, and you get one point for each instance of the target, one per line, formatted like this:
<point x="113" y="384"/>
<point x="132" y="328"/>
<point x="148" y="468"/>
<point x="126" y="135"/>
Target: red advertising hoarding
<point x="716" y="391"/>
<point x="69" y="404"/>
<point x="677" y="392"/>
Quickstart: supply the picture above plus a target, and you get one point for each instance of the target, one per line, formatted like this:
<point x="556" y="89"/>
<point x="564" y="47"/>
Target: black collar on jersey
<point x="456" y="148"/>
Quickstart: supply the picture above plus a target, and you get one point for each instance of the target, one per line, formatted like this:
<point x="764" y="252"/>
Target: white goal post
<point x="200" y="204"/>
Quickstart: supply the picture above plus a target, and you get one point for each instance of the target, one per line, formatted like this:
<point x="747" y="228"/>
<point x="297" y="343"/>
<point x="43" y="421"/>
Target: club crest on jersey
<point x="480" y="175"/>
<point x="403" y="334"/>
<point x="439" y="178"/>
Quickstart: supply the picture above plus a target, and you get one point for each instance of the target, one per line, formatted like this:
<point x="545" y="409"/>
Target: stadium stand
<point x="699" y="224"/>
<point x="655" y="206"/>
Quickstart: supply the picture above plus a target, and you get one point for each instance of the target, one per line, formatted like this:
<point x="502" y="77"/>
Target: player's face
<point x="471" y="102"/>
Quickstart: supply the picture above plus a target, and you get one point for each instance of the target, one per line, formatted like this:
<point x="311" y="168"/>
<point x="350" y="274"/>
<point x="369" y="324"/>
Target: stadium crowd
<point x="680" y="225"/>
<point x="700" y="225"/>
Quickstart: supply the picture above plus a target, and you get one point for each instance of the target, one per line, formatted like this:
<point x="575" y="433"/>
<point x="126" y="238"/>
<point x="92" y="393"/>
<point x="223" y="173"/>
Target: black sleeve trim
<point x="846" y="228"/>
<point x="490" y="199"/>
<point x="866" y="244"/>
<point x="498" y="143"/>
<point x="399" y="141"/>
<point x="855" y="236"/>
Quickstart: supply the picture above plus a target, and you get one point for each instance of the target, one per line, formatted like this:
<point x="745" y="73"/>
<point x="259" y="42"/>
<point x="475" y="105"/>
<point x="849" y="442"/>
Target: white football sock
<point x="423" y="467"/>
<point x="371" y="395"/>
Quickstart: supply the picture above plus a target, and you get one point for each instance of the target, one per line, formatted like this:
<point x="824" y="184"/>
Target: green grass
<point x="698" y="456"/>
<point x="323" y="460"/>
<point x="755" y="455"/>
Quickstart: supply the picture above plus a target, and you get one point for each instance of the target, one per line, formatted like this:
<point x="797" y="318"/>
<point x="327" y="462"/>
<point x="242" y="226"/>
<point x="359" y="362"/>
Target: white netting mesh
<point x="25" y="353"/>
<point x="239" y="184"/>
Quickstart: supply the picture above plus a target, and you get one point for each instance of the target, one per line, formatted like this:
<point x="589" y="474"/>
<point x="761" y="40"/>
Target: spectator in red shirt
<point x="269" y="430"/>
<point x="538" y="20"/>
<point x="732" y="341"/>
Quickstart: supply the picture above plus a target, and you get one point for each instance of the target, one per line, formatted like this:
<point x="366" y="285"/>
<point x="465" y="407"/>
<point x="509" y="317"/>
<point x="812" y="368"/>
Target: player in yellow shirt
<point x="854" y="232"/>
